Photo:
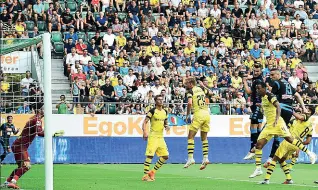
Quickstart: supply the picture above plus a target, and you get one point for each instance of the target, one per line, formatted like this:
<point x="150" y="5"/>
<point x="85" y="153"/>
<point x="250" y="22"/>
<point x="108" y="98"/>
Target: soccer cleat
<point x="249" y="156"/>
<point x="288" y="182"/>
<point x="13" y="186"/>
<point x="189" y="163"/>
<point x="146" y="178"/>
<point x="316" y="182"/>
<point x="267" y="163"/>
<point x="312" y="157"/>
<point x="4" y="185"/>
<point x="205" y="162"/>
<point x="265" y="182"/>
<point x="257" y="172"/>
<point x="151" y="175"/>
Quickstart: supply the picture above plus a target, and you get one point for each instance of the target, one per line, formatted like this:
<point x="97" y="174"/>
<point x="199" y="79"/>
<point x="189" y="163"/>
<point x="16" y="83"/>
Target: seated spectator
<point x="101" y="22"/>
<point x="54" y="22"/>
<point x="80" y="47"/>
<point x="24" y="109"/>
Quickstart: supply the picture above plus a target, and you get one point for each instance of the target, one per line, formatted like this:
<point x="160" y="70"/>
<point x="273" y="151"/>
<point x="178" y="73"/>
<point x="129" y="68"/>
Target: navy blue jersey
<point x="255" y="98"/>
<point x="7" y="130"/>
<point x="283" y="91"/>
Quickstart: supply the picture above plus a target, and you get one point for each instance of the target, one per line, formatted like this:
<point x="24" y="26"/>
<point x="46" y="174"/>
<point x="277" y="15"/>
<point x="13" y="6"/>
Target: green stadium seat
<point x="62" y="3"/>
<point x="156" y="15"/>
<point x="82" y="35"/>
<point x="58" y="47"/>
<point x="90" y="35"/>
<point x="96" y="15"/>
<point x="112" y="109"/>
<point x="122" y="16"/>
<point x="215" y="109"/>
<point x="56" y="37"/>
<point x="72" y="6"/>
<point x="41" y="25"/>
<point x="102" y="34"/>
<point x="46" y="6"/>
<point x="29" y="25"/>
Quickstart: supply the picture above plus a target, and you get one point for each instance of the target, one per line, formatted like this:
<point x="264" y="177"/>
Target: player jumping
<point x="285" y="94"/>
<point x="7" y="129"/>
<point x="158" y="117"/>
<point x="300" y="128"/>
<point x="257" y="115"/>
<point x="275" y="127"/>
<point x="201" y="120"/>
<point x="20" y="147"/>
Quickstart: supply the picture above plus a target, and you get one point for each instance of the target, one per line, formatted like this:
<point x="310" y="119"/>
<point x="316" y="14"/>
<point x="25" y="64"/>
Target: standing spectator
<point x="108" y="91"/>
<point x="63" y="106"/>
<point x="25" y="83"/>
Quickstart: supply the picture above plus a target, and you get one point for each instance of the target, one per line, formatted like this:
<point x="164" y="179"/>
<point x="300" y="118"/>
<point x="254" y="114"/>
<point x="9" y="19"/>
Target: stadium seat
<point x="46" y="6"/>
<point x="58" y="47"/>
<point x="29" y="25"/>
<point x="41" y="25"/>
<point x="31" y="34"/>
<point x="56" y="37"/>
<point x="281" y="18"/>
<point x="215" y="109"/>
<point x="62" y="3"/>
<point x="64" y="34"/>
<point x="90" y="35"/>
<point x="82" y="35"/>
<point x="72" y="6"/>
<point x="156" y="15"/>
<point x="112" y="109"/>
<point x="84" y="14"/>
<point x="102" y="34"/>
<point x="122" y="16"/>
<point x="96" y="15"/>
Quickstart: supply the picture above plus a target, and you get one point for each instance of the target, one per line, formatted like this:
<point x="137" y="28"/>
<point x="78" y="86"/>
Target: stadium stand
<point x="129" y="51"/>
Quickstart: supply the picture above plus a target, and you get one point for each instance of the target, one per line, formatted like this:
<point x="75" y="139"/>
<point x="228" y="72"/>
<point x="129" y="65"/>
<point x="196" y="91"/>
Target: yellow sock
<point x="147" y="165"/>
<point x="270" y="170"/>
<point x="190" y="148"/>
<point x="292" y="163"/>
<point x="159" y="163"/>
<point x="286" y="170"/>
<point x="300" y="145"/>
<point x="258" y="158"/>
<point x="205" y="148"/>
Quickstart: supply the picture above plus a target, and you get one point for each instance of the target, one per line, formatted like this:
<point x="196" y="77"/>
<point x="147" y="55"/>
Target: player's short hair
<point x="263" y="84"/>
<point x="9" y="116"/>
<point x="158" y="96"/>
<point x="275" y="69"/>
<point x="191" y="80"/>
<point x="311" y="109"/>
<point x="257" y="66"/>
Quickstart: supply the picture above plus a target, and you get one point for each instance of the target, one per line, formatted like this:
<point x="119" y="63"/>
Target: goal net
<point x="22" y="82"/>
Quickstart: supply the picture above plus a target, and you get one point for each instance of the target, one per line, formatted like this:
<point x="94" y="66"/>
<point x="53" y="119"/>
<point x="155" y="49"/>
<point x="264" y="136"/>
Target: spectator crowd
<point x="130" y="51"/>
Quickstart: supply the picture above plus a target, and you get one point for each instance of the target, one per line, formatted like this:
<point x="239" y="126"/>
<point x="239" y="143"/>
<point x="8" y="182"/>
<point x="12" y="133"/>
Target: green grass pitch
<point x="170" y="176"/>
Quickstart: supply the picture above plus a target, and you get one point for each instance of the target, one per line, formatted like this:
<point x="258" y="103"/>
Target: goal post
<point x="46" y="38"/>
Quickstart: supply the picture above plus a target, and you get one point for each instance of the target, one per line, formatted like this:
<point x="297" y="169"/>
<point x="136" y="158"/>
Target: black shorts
<point x="286" y="112"/>
<point x="257" y="116"/>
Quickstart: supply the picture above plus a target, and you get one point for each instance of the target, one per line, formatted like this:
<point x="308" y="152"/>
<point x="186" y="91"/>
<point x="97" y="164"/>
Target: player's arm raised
<point x="300" y="101"/>
<point x="301" y="117"/>
<point x="246" y="87"/>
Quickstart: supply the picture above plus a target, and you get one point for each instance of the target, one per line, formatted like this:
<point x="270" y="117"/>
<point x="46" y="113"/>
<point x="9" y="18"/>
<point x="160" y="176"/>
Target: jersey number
<point x="289" y="89"/>
<point x="303" y="134"/>
<point x="201" y="100"/>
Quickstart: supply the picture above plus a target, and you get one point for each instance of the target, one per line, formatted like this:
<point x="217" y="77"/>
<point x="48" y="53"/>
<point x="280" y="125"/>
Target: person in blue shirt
<point x="124" y="70"/>
<point x="133" y="21"/>
<point x="119" y="89"/>
<point x="198" y="29"/>
<point x="225" y="80"/>
<point x="71" y="35"/>
<point x="208" y="69"/>
<point x="101" y="22"/>
<point x="277" y="52"/>
<point x="88" y="67"/>
<point x="196" y="71"/>
<point x="158" y="39"/>
<point x="255" y="52"/>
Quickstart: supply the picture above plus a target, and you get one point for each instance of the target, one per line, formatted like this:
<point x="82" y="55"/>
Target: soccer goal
<point x="21" y="99"/>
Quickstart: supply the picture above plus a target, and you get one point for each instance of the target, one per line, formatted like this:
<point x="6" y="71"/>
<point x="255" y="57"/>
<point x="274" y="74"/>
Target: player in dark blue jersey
<point x="7" y="129"/>
<point x="257" y="115"/>
<point x="285" y="95"/>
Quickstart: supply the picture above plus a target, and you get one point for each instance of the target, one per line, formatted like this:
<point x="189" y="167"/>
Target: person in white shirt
<point x="294" y="80"/>
<point x="263" y="22"/>
<point x="297" y="22"/>
<point x="129" y="81"/>
<point x="144" y="89"/>
<point x="286" y="22"/>
<point x="158" y="69"/>
<point x="72" y="57"/>
<point x="252" y="22"/>
<point x="110" y="60"/>
<point x="215" y="12"/>
<point x="157" y="88"/>
<point x="298" y="42"/>
<point x="109" y="37"/>
<point x="85" y="58"/>
<point x="153" y="30"/>
<point x="314" y="32"/>
<point x="25" y="83"/>
<point x="298" y="3"/>
<point x="203" y="12"/>
<point x="273" y="41"/>
<point x="187" y="29"/>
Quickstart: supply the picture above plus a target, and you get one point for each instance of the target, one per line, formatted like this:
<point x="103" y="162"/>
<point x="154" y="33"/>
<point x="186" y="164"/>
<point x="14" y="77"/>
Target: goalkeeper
<point x="20" y="147"/>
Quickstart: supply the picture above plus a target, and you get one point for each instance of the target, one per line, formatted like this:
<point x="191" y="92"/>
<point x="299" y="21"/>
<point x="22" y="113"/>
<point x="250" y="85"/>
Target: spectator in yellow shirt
<point x="189" y="49"/>
<point x="249" y="62"/>
<point x="121" y="40"/>
<point x="250" y="44"/>
<point x="152" y="48"/>
<point x="208" y="22"/>
<point x="310" y="50"/>
<point x="236" y="80"/>
<point x="295" y="61"/>
<point x="228" y="41"/>
<point x="5" y="86"/>
<point x="283" y="61"/>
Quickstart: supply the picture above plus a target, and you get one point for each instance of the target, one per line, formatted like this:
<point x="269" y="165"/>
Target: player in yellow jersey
<point x="201" y="121"/>
<point x="158" y="118"/>
<point x="275" y="126"/>
<point x="300" y="128"/>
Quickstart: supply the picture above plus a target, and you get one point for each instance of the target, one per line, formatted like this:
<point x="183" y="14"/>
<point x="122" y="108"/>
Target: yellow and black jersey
<point x="157" y="119"/>
<point x="301" y="129"/>
<point x="269" y="109"/>
<point x="198" y="100"/>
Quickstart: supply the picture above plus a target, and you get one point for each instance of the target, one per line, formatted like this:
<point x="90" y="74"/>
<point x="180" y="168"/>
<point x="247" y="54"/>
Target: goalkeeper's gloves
<point x="58" y="133"/>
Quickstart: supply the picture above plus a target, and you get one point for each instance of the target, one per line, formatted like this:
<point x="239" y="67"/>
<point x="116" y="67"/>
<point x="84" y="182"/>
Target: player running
<point x="285" y="94"/>
<point x="158" y="117"/>
<point x="257" y="115"/>
<point x="275" y="127"/>
<point x="20" y="147"/>
<point x="7" y="129"/>
<point x="300" y="128"/>
<point x="201" y="120"/>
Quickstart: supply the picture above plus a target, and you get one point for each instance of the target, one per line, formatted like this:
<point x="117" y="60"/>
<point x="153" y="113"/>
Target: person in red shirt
<point x="20" y="147"/>
<point x="80" y="47"/>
